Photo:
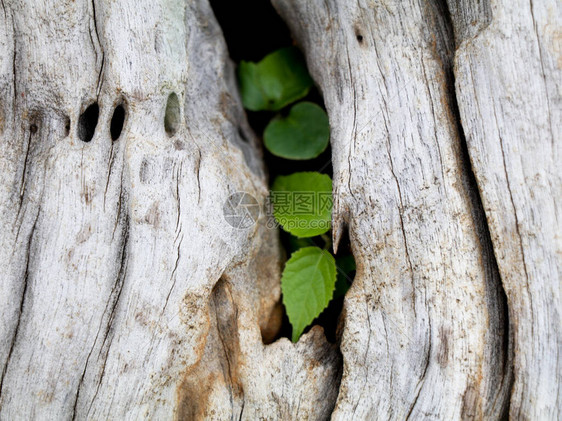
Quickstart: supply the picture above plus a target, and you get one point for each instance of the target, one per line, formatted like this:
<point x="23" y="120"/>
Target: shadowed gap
<point x="478" y="213"/>
<point x="250" y="37"/>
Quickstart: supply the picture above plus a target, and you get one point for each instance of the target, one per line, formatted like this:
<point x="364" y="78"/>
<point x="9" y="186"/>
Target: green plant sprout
<point x="303" y="134"/>
<point x="302" y="201"/>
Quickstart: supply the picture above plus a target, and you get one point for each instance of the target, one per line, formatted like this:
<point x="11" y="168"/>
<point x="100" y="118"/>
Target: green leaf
<point x="302" y="203"/>
<point x="345" y="266"/>
<point x="303" y="134"/>
<point x="276" y="81"/>
<point x="307" y="284"/>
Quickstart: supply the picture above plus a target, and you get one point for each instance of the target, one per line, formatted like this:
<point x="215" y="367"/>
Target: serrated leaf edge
<point x="295" y="336"/>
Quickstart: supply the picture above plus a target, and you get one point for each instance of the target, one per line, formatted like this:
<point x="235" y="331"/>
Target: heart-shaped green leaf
<point x="302" y="203"/>
<point x="307" y="284"/>
<point x="276" y="81"/>
<point x="303" y="134"/>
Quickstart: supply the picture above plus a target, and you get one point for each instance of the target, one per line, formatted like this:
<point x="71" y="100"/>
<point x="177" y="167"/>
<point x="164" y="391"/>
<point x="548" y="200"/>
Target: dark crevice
<point x="250" y="36"/>
<point x="100" y="75"/>
<point x="173" y="277"/>
<point x="119" y="203"/>
<point x="87" y="122"/>
<point x="495" y="289"/>
<point x="33" y="130"/>
<point x="481" y="223"/>
<point x="25" y="169"/>
<point x="241" y="411"/>
<point x="242" y="135"/>
<point x="332" y="318"/>
<point x="95" y="21"/>
<point x="95" y="47"/>
<point x="251" y="39"/>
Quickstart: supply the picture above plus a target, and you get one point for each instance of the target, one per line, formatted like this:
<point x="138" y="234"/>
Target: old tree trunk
<point x="126" y="295"/>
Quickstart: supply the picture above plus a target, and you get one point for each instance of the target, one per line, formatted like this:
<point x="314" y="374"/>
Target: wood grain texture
<point x="424" y="333"/>
<point x="126" y="295"/>
<point x="122" y="282"/>
<point x="509" y="87"/>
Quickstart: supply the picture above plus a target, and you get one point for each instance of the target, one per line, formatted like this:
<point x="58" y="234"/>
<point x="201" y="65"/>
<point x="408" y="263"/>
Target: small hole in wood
<point x="172" y="116"/>
<point x="87" y="122"/>
<point x="66" y="126"/>
<point x="33" y="128"/>
<point x="117" y="122"/>
<point x="360" y="38"/>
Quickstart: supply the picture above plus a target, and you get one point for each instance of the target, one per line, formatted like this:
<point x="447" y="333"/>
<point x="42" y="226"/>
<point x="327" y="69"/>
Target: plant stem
<point x="327" y="241"/>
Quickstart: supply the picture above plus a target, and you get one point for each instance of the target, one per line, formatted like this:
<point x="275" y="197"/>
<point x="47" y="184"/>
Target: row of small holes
<point x="89" y="119"/>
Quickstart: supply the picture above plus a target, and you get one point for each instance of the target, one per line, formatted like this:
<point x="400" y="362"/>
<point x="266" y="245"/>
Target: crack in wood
<point x="114" y="298"/>
<point x="22" y="303"/>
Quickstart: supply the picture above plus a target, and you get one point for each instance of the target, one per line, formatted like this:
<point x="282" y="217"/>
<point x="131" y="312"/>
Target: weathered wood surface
<point x="124" y="292"/>
<point x="425" y="329"/>
<point x="508" y="71"/>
